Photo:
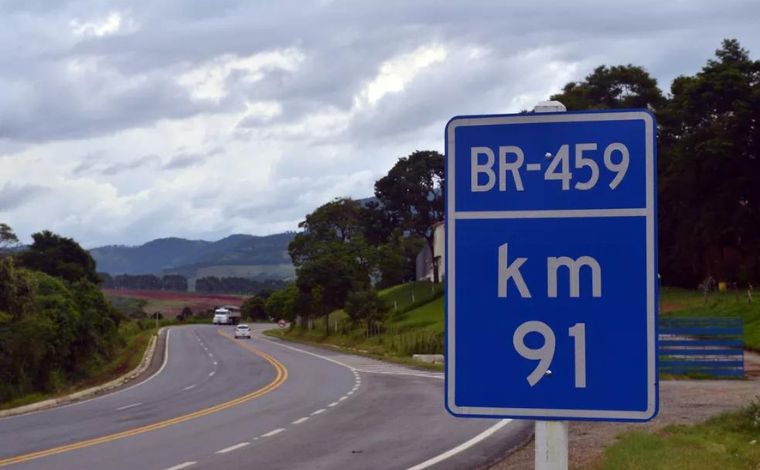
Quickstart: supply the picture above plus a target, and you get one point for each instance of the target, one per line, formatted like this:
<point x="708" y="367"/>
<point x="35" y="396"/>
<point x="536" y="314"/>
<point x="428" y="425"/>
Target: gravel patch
<point x="681" y="402"/>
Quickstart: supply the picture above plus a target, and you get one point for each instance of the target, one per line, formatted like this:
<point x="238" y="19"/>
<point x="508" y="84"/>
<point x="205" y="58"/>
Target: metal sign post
<point x="551" y="289"/>
<point x="551" y="439"/>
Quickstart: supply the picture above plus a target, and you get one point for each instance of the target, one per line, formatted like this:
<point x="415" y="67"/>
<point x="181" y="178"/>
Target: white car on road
<point x="243" y="331"/>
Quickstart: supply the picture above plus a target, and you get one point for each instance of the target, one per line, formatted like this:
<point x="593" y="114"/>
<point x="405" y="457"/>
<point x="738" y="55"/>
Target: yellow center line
<point x="280" y="378"/>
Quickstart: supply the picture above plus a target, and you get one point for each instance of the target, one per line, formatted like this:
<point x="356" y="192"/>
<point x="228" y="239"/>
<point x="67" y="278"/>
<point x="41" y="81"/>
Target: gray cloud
<point x="14" y="196"/>
<point x="185" y="160"/>
<point x="144" y="161"/>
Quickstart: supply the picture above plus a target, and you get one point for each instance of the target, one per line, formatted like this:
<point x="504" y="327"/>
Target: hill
<point x="263" y="257"/>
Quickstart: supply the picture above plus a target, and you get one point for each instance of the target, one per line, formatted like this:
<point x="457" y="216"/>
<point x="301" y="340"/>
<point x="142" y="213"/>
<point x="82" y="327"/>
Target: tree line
<point x="708" y="131"/>
<point x="179" y="283"/>
<point x="56" y="326"/>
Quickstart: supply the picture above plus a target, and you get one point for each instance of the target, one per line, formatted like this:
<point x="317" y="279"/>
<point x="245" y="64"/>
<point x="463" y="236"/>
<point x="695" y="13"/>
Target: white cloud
<point x="210" y="80"/>
<point x="113" y="23"/>
<point x="395" y="73"/>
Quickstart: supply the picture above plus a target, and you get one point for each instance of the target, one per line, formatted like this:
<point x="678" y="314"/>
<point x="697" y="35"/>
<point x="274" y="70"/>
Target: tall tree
<point x="710" y="167"/>
<point x="413" y="193"/>
<point x="619" y="86"/>
<point x="60" y="257"/>
<point x="7" y="237"/>
<point x="331" y="256"/>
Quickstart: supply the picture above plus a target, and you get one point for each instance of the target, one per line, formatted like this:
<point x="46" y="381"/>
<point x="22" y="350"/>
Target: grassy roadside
<point x="728" y="441"/>
<point x="127" y="358"/>
<point x="407" y="361"/>
<point x="688" y="303"/>
<point x="414" y="325"/>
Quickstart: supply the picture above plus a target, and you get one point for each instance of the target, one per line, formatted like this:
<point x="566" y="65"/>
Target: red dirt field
<point x="172" y="303"/>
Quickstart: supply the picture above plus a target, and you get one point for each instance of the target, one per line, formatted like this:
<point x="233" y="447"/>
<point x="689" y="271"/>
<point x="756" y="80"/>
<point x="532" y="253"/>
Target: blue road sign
<point x="551" y="266"/>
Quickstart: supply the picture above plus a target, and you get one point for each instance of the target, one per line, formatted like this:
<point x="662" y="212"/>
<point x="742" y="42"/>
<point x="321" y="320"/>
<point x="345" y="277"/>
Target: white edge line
<point x="126" y="407"/>
<point x="182" y="465"/>
<point x="272" y="433"/>
<point x="300" y="420"/>
<point x="461" y="447"/>
<point x="308" y="352"/>
<point x="231" y="448"/>
<point x="353" y="369"/>
<point x="427" y="376"/>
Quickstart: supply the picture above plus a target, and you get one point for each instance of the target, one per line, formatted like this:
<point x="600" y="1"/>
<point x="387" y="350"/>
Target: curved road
<point x="217" y="402"/>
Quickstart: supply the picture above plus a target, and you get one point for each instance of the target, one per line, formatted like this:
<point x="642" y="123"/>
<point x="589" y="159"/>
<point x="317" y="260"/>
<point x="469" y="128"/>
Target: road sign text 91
<point x="616" y="158"/>
<point x="545" y="354"/>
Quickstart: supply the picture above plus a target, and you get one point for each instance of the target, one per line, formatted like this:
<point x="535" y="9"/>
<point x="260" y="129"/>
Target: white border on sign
<point x="648" y="212"/>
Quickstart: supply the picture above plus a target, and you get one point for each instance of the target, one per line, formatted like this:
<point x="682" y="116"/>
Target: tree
<point x="709" y="167"/>
<point x="619" y="86"/>
<point x="413" y="194"/>
<point x="7" y="237"/>
<point x="281" y="304"/>
<point x="60" y="257"/>
<point x="254" y="308"/>
<point x="366" y="305"/>
<point x="331" y="256"/>
<point x="186" y="314"/>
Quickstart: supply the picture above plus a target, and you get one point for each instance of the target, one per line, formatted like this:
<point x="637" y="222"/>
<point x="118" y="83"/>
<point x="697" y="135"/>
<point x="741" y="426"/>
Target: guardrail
<point x="701" y="346"/>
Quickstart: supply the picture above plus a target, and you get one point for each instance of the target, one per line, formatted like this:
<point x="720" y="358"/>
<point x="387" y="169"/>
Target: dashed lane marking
<point x="231" y="448"/>
<point x="189" y="387"/>
<point x="126" y="407"/>
<point x="272" y="433"/>
<point x="300" y="420"/>
<point x="322" y="410"/>
<point x="182" y="465"/>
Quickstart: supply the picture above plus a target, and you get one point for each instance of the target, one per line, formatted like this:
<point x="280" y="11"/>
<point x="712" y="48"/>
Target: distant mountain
<point x="264" y="257"/>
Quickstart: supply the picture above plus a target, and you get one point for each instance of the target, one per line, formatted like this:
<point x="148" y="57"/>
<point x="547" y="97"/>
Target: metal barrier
<point x="701" y="346"/>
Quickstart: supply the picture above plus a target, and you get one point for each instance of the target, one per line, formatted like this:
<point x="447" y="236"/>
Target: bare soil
<point x="681" y="402"/>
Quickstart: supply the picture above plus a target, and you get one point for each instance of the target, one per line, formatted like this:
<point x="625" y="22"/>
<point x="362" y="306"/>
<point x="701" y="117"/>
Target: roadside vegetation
<point x="728" y="441"/>
<point x="56" y="326"/>
<point x="732" y="303"/>
<point x="413" y="324"/>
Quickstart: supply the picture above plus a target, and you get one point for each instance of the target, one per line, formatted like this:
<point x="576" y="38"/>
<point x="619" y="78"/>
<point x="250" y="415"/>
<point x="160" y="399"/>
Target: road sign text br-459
<point x="550" y="253"/>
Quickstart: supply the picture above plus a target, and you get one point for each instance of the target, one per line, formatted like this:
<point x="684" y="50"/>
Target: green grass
<point x="688" y="303"/>
<point x="414" y="326"/>
<point x="405" y="297"/>
<point x="728" y="441"/>
<point x="336" y="343"/>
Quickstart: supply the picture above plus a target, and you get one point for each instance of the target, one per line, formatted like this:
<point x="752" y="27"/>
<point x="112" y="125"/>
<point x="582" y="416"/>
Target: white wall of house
<point x="425" y="261"/>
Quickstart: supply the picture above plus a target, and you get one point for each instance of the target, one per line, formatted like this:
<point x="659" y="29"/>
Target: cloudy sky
<point x="121" y="122"/>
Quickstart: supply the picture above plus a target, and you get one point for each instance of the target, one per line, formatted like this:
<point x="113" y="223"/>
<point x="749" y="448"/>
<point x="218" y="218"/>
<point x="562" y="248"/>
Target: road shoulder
<point x="150" y="363"/>
<point x="681" y="402"/>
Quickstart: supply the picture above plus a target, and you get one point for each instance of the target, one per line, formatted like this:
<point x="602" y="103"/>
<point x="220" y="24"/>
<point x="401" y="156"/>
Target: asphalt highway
<point x="217" y="402"/>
